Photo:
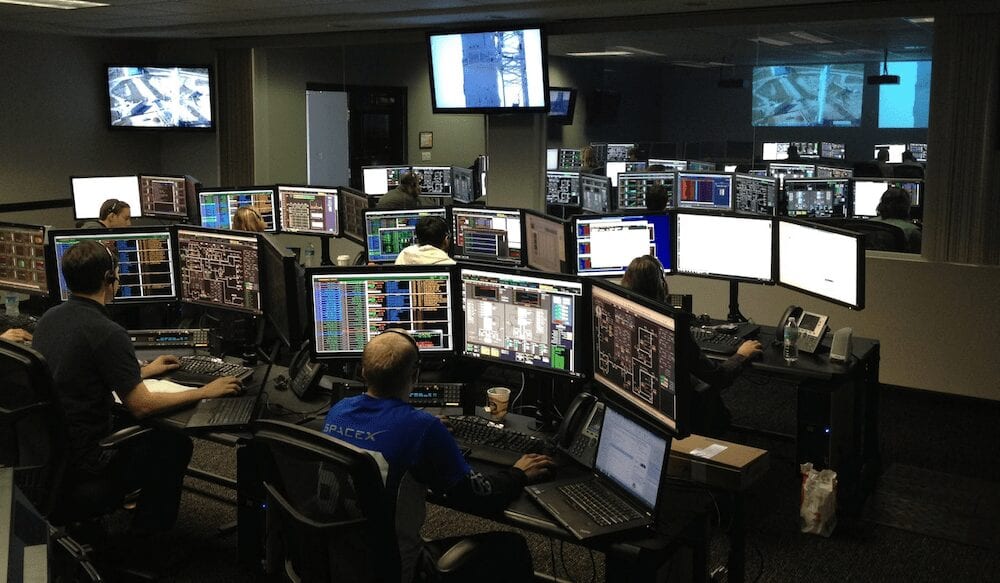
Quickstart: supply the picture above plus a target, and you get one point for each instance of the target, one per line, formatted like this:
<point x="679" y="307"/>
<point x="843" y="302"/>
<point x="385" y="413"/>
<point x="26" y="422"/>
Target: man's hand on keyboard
<point x="447" y="423"/>
<point x="162" y="364"/>
<point x="16" y="335"/>
<point x="221" y="387"/>
<point x="750" y="349"/>
<point x="535" y="466"/>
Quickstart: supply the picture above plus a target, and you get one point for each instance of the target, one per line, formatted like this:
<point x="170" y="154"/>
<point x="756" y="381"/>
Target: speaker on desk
<point x="840" y="349"/>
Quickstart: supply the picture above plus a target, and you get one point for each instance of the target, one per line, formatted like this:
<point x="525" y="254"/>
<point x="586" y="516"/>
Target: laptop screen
<point x="631" y="456"/>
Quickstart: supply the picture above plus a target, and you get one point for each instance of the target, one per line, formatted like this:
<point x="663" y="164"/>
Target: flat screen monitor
<point x="605" y="245"/>
<point x="570" y="158"/>
<point x="838" y="277"/>
<point x="352" y="306"/>
<point x="668" y="164"/>
<point x="488" y="234"/>
<point x="353" y="205"/>
<point x="807" y="149"/>
<point x="552" y="159"/>
<point x="833" y="172"/>
<point x="462" y="187"/>
<point x="755" y="195"/>
<point x="310" y="210"/>
<point x="489" y="71"/>
<point x="145" y="261"/>
<point x="834" y="150"/>
<point x="774" y="151"/>
<point x="218" y="206"/>
<point x="545" y="242"/>
<point x="524" y="319"/>
<point x="699" y="166"/>
<point x="381" y="179"/>
<point x="816" y="197"/>
<point x="866" y="193"/>
<point x="613" y="169"/>
<point x="638" y="349"/>
<point x="784" y="171"/>
<point x="632" y="188"/>
<point x="907" y="103"/>
<point x="163" y="196"/>
<point x="90" y="192"/>
<point x="919" y="151"/>
<point x="283" y="297"/>
<point x="895" y="152"/>
<point x="705" y="247"/>
<point x="730" y="167"/>
<point x="704" y="190"/>
<point x="387" y="233"/>
<point x="562" y="188"/>
<point x="434" y="180"/>
<point x="619" y="152"/>
<point x="562" y="103"/>
<point x="160" y="97"/>
<point x="22" y="259"/>
<point x="219" y="269"/>
<point x="595" y="193"/>
<point x="808" y="95"/>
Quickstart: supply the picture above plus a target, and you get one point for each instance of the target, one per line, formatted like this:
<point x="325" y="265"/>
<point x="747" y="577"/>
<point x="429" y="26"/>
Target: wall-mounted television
<point x="160" y="97"/>
<point x="562" y="103"/>
<point x="489" y="71"/>
<point x="822" y="95"/>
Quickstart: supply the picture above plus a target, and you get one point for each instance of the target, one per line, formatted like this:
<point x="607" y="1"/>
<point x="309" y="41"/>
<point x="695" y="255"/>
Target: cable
<point x="593" y="566"/>
<point x="562" y="559"/>
<point x="521" y="390"/>
<point x="552" y="554"/>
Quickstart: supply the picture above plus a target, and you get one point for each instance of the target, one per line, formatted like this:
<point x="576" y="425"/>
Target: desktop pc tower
<point x="827" y="434"/>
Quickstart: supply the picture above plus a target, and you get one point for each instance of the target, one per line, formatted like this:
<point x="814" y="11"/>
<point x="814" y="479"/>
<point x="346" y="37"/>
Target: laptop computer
<point x="621" y="494"/>
<point x="229" y="412"/>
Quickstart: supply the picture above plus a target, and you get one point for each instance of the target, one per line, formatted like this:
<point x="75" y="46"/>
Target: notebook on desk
<point x="621" y="494"/>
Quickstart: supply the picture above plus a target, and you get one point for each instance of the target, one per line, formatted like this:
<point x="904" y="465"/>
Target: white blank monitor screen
<point x="381" y="179"/>
<point x="895" y="152"/>
<point x="821" y="262"/>
<point x="725" y="246"/>
<point x="867" y="194"/>
<point x="775" y="151"/>
<point x="551" y="158"/>
<point x="546" y="243"/>
<point x="90" y="193"/>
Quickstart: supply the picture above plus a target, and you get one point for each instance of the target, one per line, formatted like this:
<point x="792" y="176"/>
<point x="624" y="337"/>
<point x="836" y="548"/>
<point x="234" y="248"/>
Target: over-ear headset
<point x="109" y="275"/>
<point x="412" y="340"/>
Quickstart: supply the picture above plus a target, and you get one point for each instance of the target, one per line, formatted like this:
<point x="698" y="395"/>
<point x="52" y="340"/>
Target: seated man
<point x="432" y="244"/>
<point x="90" y="356"/>
<point x="404" y="196"/>
<point x="421" y="454"/>
<point x="894" y="208"/>
<point x="114" y="214"/>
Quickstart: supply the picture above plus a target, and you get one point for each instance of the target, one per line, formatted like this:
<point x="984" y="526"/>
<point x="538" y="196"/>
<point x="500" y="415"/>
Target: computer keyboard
<point x="488" y="442"/>
<point x="232" y="411"/>
<point x="711" y="341"/>
<point x="204" y="369"/>
<point x="603" y="506"/>
<point x="21" y="321"/>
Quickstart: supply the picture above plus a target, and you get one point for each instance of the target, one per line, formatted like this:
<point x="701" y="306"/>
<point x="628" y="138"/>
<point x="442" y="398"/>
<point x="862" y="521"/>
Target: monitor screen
<point x="783" y="171"/>
<point x="619" y="152"/>
<point x="595" y="193"/>
<point x="704" y="190"/>
<point x="22" y="259"/>
<point x="462" y="187"/>
<point x="895" y="152"/>
<point x="919" y="151"/>
<point x="705" y="247"/>
<point x="637" y="354"/>
<point x="219" y="269"/>
<point x="730" y="167"/>
<point x="562" y="103"/>
<point x="353" y="205"/>
<point x="631" y="456"/>
<point x="283" y="297"/>
<point x="825" y="262"/>
<point x="163" y="196"/>
<point x="774" y="151"/>
<point x="145" y="261"/>
<point x="552" y="158"/>
<point x="755" y="195"/>
<point x="808" y="95"/>
<point x="489" y="71"/>
<point x="89" y="193"/>
<point x="632" y="188"/>
<point x="562" y="188"/>
<point x="387" y="233"/>
<point x="833" y="172"/>
<point x="807" y="149"/>
<point x="816" y="198"/>
<point x="545" y="242"/>
<point x="867" y="193"/>
<point x="677" y="165"/>
<point x="487" y="234"/>
<point x="160" y="97"/>
<point x="434" y="180"/>
<point x="381" y="179"/>
<point x="570" y="158"/>
<point x="309" y="210"/>
<point x="219" y="206"/>
<point x="698" y="166"/>
<point x="605" y="245"/>
<point x="613" y="169"/>
<point x="833" y="150"/>
<point x="350" y="307"/>
<point x="523" y="319"/>
<point x="914" y="186"/>
<point x="906" y="104"/>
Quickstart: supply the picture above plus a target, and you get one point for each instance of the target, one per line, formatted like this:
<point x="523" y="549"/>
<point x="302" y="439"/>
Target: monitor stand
<point x="325" y="252"/>
<point x="734" y="303"/>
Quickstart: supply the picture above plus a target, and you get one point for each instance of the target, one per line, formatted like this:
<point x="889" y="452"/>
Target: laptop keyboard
<point x="603" y="506"/>
<point x="232" y="411"/>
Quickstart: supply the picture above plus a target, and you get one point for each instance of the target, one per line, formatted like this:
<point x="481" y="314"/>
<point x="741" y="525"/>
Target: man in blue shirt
<point x="416" y="452"/>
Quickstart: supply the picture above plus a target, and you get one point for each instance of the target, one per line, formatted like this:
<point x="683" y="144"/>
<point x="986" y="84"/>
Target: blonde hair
<point x="248" y="219"/>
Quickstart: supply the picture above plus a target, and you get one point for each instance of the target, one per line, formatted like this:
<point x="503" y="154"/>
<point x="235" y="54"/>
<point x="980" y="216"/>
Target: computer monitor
<point x="552" y="158"/>
<point x="613" y="169"/>
<point x="632" y="188"/>
<point x="90" y="192"/>
<point x="350" y="306"/>
<point x="638" y="350"/>
<point x="219" y="269"/>
<point x="673" y="165"/>
<point x="774" y="151"/>
<point x="699" y="166"/>
<point x="895" y="152"/>
<point x="605" y="245"/>
<point x="834" y="150"/>
<point x="704" y="190"/>
<point x="807" y="149"/>
<point x="381" y="179"/>
<point x="705" y="247"/>
<point x="570" y="158"/>
<point x="919" y="151"/>
<point x="218" y="206"/>
<point x="488" y="234"/>
<point x="866" y="193"/>
<point x="434" y="180"/>
<point x="22" y="259"/>
<point x="145" y="261"/>
<point x="462" y="187"/>
<point x="822" y="261"/>
<point x="562" y="103"/>
<point x="387" y="233"/>
<point x="816" y="197"/>
<point x="353" y="205"/>
<point x="545" y="242"/>
<point x="833" y="172"/>
<point x="562" y="188"/>
<point x="618" y="152"/>
<point x="730" y="167"/>
<point x="595" y="193"/>
<point x="783" y="171"/>
<point x="755" y="195"/>
<point x="523" y="319"/>
<point x="310" y="210"/>
<point x="283" y="297"/>
<point x="163" y="196"/>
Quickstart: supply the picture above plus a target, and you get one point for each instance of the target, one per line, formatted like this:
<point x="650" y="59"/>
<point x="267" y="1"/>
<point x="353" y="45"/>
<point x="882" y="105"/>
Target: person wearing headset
<point x="90" y="356"/>
<point x="247" y="218"/>
<point x="114" y="214"/>
<point x="433" y="241"/>
<point x="420" y="453"/>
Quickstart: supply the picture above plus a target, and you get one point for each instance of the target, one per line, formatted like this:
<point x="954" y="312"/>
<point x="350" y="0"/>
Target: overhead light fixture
<point x="692" y="64"/>
<point x="810" y="37"/>
<point x="770" y="41"/>
<point x="921" y="20"/>
<point x="885" y="78"/>
<point x="638" y="51"/>
<point x="601" y="54"/>
<point x="57" y="4"/>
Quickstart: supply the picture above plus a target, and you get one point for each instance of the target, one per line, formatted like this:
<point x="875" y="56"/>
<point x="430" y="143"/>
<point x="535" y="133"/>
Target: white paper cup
<point x="343" y="259"/>
<point x="499" y="398"/>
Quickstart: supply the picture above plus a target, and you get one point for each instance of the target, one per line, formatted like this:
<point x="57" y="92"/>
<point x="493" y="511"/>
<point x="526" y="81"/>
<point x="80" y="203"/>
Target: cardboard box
<point x="721" y="464"/>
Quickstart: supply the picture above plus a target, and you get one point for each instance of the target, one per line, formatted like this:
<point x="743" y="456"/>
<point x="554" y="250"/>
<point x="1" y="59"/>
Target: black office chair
<point x="907" y="171"/>
<point x="879" y="236"/>
<point x="869" y="169"/>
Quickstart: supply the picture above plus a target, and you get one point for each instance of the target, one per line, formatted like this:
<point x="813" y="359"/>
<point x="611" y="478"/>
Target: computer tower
<point x="251" y="509"/>
<point x="827" y="436"/>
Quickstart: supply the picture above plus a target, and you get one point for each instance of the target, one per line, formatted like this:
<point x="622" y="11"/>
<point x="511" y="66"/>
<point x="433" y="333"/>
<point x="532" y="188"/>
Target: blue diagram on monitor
<point x="808" y="95"/>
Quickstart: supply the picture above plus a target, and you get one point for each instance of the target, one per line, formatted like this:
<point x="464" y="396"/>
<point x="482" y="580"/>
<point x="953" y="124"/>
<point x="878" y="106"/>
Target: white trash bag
<point x="818" y="506"/>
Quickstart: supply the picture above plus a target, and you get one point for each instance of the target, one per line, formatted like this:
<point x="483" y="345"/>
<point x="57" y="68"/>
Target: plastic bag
<point x="818" y="506"/>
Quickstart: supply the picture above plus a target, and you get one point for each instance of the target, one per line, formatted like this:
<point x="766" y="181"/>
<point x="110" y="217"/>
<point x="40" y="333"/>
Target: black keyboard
<point x="488" y="442"/>
<point x="26" y="323"/>
<point x="603" y="506"/>
<point x="711" y="341"/>
<point x="204" y="369"/>
<point x="232" y="411"/>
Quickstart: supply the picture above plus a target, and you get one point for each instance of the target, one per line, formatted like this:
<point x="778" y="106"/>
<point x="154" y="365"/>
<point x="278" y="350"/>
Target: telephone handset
<point x="581" y="428"/>
<point x="812" y="328"/>
<point x="304" y="372"/>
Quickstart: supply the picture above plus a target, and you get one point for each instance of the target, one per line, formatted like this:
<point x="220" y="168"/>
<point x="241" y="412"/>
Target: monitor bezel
<point x="729" y="214"/>
<point x="360" y="240"/>
<point x="423" y="209"/>
<point x="609" y="187"/>
<point x="208" y="230"/>
<point x="859" y="243"/>
<point x="562" y="222"/>
<point x="672" y="174"/>
<point x="472" y="184"/>
<point x="212" y="92"/>
<point x="380" y="167"/>
<point x="292" y="282"/>
<point x="848" y="195"/>
<point x="280" y="220"/>
<point x="454" y="234"/>
<point x="138" y="193"/>
<point x="450" y="170"/>
<point x="713" y="208"/>
<point x="777" y="193"/>
<point x="567" y="118"/>
<point x="670" y="215"/>
<point x="169" y="216"/>
<point x="579" y="195"/>
<point x="47" y="290"/>
<point x="226" y="189"/>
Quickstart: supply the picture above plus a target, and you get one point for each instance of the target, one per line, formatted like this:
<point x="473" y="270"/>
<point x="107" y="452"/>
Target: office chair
<point x="907" y="171"/>
<point x="869" y="169"/>
<point x="879" y="236"/>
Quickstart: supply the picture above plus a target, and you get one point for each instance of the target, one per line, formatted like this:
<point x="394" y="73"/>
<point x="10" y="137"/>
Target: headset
<point x="413" y="342"/>
<point x="109" y="275"/>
